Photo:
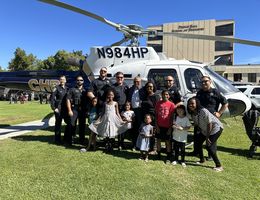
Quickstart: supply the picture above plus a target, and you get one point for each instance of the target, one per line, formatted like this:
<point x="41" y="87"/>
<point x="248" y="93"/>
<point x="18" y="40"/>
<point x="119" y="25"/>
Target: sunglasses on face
<point x="204" y="81"/>
<point x="80" y="80"/>
<point x="169" y="80"/>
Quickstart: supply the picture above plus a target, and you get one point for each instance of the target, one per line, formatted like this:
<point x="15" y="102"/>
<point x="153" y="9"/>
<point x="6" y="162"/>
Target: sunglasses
<point x="80" y="80"/>
<point x="103" y="71"/>
<point x="169" y="80"/>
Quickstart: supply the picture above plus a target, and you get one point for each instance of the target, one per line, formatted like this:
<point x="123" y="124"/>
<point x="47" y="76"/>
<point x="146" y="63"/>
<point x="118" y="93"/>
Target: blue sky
<point x="43" y="29"/>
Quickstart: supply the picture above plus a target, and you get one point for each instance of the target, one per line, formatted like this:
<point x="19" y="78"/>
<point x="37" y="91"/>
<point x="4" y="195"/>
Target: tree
<point x="63" y="60"/>
<point x="21" y="61"/>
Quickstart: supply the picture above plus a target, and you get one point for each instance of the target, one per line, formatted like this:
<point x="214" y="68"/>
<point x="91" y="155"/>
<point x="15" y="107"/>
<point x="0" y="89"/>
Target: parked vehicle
<point x="253" y="93"/>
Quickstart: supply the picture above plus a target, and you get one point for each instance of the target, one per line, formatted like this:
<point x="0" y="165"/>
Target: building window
<point x="226" y="76"/>
<point x="224" y="30"/>
<point x="223" y="46"/>
<point x="224" y="60"/>
<point x="238" y="77"/>
<point x="156" y="47"/>
<point x="158" y="37"/>
<point x="252" y="77"/>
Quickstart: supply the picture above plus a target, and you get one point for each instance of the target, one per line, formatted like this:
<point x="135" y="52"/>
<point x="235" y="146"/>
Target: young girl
<point x="127" y="116"/>
<point x="143" y="140"/>
<point x="109" y="124"/>
<point x="210" y="130"/>
<point x="181" y="124"/>
<point x="92" y="116"/>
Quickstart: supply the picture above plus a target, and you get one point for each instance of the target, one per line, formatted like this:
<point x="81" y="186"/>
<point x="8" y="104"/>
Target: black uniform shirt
<point x="58" y="97"/>
<point x="99" y="87"/>
<point x="175" y="95"/>
<point x="77" y="98"/>
<point x="121" y="92"/>
<point x="211" y="99"/>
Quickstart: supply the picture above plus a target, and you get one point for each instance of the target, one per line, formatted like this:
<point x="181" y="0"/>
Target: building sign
<point x="188" y="28"/>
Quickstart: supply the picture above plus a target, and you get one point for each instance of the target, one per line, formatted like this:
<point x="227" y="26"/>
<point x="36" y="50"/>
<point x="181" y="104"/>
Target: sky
<point x="43" y="29"/>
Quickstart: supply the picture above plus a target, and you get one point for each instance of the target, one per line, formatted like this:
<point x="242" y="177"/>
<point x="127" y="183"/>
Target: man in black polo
<point x="210" y="98"/>
<point x="175" y="95"/>
<point x="58" y="102"/>
<point x="99" y="86"/>
<point x="76" y="105"/>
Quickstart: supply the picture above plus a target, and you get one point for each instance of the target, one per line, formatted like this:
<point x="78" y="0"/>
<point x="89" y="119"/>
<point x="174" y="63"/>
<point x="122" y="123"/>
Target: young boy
<point x="164" y="117"/>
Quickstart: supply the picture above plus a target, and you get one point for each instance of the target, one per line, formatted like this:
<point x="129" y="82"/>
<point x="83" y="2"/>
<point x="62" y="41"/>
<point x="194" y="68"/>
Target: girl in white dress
<point x="109" y="124"/>
<point x="143" y="140"/>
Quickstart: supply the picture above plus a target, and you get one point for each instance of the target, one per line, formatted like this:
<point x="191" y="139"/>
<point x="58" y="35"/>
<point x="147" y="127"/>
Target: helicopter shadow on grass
<point x="239" y="152"/>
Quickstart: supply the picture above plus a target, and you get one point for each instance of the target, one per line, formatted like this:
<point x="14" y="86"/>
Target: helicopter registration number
<point x="128" y="52"/>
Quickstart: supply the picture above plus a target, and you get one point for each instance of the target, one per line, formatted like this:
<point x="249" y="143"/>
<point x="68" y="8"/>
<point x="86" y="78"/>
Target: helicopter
<point x="134" y="60"/>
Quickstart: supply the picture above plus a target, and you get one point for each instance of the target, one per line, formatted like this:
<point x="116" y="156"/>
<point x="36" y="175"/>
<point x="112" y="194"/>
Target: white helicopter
<point x="145" y="62"/>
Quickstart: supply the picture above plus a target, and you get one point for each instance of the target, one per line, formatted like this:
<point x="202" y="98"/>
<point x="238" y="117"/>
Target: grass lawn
<point x="11" y="114"/>
<point x="32" y="167"/>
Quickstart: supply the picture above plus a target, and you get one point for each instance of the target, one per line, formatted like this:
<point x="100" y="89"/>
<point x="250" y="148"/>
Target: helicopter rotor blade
<point x="211" y="37"/>
<point x="83" y="12"/>
<point x="125" y="39"/>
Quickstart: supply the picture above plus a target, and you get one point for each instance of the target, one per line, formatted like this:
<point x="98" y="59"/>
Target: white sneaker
<point x="183" y="164"/>
<point x="146" y="160"/>
<point x="218" y="169"/>
<point x="174" y="163"/>
<point x="83" y="150"/>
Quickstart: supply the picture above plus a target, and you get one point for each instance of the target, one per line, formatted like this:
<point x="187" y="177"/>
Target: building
<point x="240" y="73"/>
<point x="195" y="49"/>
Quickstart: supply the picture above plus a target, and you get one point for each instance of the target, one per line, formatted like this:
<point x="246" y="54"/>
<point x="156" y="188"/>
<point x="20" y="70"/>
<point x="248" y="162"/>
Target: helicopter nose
<point x="236" y="107"/>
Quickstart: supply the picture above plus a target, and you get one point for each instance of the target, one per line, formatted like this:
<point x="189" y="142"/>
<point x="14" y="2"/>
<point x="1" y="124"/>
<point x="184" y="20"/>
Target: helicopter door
<point x="192" y="80"/>
<point x="158" y="77"/>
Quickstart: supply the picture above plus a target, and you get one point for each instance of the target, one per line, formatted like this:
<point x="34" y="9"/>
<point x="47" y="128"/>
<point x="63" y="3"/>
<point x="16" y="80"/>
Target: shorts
<point x="163" y="134"/>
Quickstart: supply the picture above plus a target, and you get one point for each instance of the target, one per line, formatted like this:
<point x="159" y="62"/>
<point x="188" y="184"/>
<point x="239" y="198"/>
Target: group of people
<point x="115" y="110"/>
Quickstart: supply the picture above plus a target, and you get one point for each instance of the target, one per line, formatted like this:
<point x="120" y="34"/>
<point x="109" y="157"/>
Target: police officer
<point x="58" y="101"/>
<point x="76" y="105"/>
<point x="210" y="98"/>
<point x="175" y="95"/>
<point x="99" y="86"/>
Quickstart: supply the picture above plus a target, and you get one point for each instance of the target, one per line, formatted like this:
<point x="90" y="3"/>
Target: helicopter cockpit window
<point x="158" y="77"/>
<point x="193" y="79"/>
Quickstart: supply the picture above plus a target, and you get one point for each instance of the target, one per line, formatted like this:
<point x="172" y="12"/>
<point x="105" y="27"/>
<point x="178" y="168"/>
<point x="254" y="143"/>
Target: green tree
<point x="21" y="61"/>
<point x="63" y="60"/>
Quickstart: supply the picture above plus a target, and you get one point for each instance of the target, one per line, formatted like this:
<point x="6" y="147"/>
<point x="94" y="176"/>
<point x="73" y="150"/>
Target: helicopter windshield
<point x="222" y="84"/>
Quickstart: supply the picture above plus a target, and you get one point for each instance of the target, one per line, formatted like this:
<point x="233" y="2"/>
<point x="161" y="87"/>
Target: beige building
<point x="240" y="73"/>
<point x="195" y="49"/>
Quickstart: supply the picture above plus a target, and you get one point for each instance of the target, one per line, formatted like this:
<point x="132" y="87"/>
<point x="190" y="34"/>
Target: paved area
<point x="19" y="129"/>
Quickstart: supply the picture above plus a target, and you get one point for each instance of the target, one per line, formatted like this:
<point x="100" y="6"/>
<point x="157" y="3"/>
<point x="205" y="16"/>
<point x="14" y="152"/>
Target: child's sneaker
<point x="200" y="162"/>
<point x="167" y="162"/>
<point x="83" y="150"/>
<point x="174" y="163"/>
<point x="218" y="169"/>
<point x="146" y="160"/>
<point x="183" y="164"/>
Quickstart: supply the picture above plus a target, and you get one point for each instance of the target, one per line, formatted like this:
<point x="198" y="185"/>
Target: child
<point x="180" y="125"/>
<point x="92" y="116"/>
<point x="143" y="140"/>
<point x="127" y="116"/>
<point x="109" y="124"/>
<point x="164" y="116"/>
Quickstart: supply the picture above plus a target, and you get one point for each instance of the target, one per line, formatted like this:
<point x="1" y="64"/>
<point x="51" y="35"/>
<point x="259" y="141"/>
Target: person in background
<point x="58" y="105"/>
<point x="175" y="95"/>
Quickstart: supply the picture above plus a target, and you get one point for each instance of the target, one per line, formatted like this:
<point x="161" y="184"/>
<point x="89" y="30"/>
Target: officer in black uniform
<point x="58" y="101"/>
<point x="77" y="105"/>
<point x="210" y="98"/>
<point x="175" y="95"/>
<point x="99" y="86"/>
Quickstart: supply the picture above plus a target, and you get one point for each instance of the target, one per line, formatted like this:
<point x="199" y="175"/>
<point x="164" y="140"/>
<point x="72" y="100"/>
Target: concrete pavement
<point x="20" y="129"/>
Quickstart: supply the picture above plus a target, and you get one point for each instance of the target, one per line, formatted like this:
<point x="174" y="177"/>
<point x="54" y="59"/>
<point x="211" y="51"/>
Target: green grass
<point x="11" y="114"/>
<point x="32" y="167"/>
